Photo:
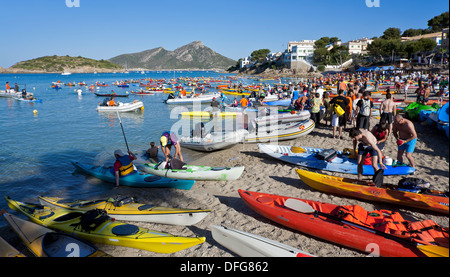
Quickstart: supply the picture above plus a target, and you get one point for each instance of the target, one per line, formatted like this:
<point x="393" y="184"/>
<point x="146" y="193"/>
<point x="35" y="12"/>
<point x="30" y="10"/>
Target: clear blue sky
<point x="102" y="29"/>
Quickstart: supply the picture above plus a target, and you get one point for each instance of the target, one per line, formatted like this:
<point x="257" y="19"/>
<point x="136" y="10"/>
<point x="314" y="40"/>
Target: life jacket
<point x="425" y="231"/>
<point x="379" y="135"/>
<point x="127" y="165"/>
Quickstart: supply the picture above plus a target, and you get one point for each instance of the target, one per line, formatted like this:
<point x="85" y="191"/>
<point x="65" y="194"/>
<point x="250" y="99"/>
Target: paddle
<point x="429" y="250"/>
<point x="123" y="132"/>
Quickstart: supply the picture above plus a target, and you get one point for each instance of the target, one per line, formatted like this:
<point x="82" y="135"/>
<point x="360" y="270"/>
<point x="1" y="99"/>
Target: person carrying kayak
<point x="123" y="166"/>
<point x="167" y="140"/>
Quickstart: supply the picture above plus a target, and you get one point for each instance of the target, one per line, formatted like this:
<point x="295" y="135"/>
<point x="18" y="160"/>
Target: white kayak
<point x="190" y="100"/>
<point x="11" y="93"/>
<point x="213" y="142"/>
<point x="122" y="107"/>
<point x="195" y="172"/>
<point x="249" y="245"/>
<point x="283" y="118"/>
<point x="273" y="133"/>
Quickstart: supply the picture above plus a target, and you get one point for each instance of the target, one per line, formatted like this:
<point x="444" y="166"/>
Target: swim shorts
<point x="408" y="146"/>
<point x="364" y="149"/>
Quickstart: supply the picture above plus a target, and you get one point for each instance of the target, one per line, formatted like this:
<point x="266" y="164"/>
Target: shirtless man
<point x="406" y="136"/>
<point x="387" y="111"/>
<point x="367" y="144"/>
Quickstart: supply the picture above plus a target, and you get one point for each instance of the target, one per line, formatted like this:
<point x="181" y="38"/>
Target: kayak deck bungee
<point x="96" y="226"/>
<point x="434" y="201"/>
<point x="137" y="179"/>
<point x="394" y="236"/>
<point x="196" y="172"/>
<point x="44" y="242"/>
<point x="307" y="157"/>
<point x="121" y="208"/>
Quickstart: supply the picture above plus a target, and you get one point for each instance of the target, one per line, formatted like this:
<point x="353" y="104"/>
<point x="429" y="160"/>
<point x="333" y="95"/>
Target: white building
<point x="246" y="62"/>
<point x="358" y="46"/>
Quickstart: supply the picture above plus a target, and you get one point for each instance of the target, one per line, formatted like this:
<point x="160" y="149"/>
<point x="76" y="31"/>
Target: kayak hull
<point x="368" y="191"/>
<point x="133" y="211"/>
<point x="272" y="207"/>
<point x="195" y="172"/>
<point x="137" y="179"/>
<point x="341" y="163"/>
<point x="283" y="132"/>
<point x="249" y="245"/>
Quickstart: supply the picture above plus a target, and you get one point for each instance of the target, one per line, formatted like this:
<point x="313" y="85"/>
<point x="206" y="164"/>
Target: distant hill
<point x="65" y="63"/>
<point x="191" y="56"/>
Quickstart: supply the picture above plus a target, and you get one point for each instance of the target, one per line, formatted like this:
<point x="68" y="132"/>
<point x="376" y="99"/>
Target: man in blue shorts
<point x="406" y="136"/>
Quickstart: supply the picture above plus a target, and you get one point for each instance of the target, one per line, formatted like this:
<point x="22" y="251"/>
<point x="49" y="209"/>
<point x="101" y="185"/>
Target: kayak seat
<point x="125" y="230"/>
<point x="219" y="168"/>
<point x="145" y="207"/>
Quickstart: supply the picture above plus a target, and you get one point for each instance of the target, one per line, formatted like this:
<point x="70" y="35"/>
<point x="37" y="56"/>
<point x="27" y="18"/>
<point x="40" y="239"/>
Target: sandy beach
<point x="265" y="174"/>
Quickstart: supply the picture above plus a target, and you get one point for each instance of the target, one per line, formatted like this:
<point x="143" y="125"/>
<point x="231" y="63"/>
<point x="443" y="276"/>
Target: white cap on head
<point x="119" y="152"/>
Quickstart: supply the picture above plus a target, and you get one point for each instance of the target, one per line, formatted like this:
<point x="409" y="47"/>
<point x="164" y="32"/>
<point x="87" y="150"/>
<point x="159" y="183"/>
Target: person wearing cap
<point x="167" y="140"/>
<point x="123" y="165"/>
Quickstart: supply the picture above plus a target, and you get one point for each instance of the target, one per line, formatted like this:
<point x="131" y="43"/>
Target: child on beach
<point x="152" y="152"/>
<point x="316" y="102"/>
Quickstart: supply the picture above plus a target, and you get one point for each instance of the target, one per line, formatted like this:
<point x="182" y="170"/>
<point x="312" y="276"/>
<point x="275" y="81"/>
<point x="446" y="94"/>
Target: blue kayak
<point x="283" y="102"/>
<point x="307" y="157"/>
<point x="443" y="113"/>
<point x="137" y="179"/>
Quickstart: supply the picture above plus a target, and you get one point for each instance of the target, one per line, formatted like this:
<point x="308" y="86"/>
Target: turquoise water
<point x="36" y="150"/>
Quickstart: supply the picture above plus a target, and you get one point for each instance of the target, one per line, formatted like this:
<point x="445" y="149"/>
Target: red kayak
<point x="382" y="232"/>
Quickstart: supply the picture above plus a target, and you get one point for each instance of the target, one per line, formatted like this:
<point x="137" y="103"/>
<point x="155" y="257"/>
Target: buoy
<point x="142" y="108"/>
<point x="35" y="112"/>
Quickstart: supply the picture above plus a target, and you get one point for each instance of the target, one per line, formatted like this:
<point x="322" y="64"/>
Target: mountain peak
<point x="190" y="56"/>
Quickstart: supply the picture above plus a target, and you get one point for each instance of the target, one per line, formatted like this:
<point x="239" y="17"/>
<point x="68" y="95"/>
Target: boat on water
<point x="122" y="107"/>
<point x="192" y="99"/>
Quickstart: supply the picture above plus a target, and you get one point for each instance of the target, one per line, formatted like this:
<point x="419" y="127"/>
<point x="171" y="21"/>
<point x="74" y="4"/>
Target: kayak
<point x="280" y="132"/>
<point x="213" y="142"/>
<point x="122" y="107"/>
<point x="283" y="102"/>
<point x="7" y="250"/>
<point x="351" y="226"/>
<point x="443" y="113"/>
<point x="137" y="179"/>
<point x="208" y="115"/>
<point x="44" y="242"/>
<point x="111" y="95"/>
<point x="28" y="100"/>
<point x="191" y="100"/>
<point x="96" y="226"/>
<point x="195" y="172"/>
<point x="249" y="245"/>
<point x="307" y="157"/>
<point x="435" y="201"/>
<point x="127" y="209"/>
<point x="283" y="118"/>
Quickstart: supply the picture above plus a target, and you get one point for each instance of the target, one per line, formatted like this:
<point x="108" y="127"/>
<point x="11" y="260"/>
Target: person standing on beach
<point x="167" y="140"/>
<point x="315" y="109"/>
<point x="338" y="121"/>
<point x="405" y="88"/>
<point x="387" y="111"/>
<point x="406" y="136"/>
<point x="367" y="145"/>
<point x="364" y="111"/>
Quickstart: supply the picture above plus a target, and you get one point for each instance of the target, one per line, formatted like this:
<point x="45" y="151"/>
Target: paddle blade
<point x="434" y="250"/>
<point x="298" y="205"/>
<point x="295" y="149"/>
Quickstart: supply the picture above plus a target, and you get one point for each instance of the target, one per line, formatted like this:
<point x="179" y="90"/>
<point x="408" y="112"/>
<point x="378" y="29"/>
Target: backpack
<point x="91" y="219"/>
<point x="413" y="184"/>
<point x="365" y="107"/>
<point x="327" y="155"/>
<point x="175" y="164"/>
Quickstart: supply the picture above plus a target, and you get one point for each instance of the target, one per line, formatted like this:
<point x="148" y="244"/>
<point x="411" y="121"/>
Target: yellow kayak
<point x="96" y="226"/>
<point x="208" y="114"/>
<point x="127" y="209"/>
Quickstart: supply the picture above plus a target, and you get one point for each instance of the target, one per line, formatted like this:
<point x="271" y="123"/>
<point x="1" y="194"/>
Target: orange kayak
<point x="435" y="201"/>
<point x="381" y="232"/>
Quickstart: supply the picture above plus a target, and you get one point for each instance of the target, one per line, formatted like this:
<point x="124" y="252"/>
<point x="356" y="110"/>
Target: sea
<point x="39" y="141"/>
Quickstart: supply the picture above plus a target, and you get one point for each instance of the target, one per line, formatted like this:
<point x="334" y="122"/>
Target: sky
<point x="102" y="29"/>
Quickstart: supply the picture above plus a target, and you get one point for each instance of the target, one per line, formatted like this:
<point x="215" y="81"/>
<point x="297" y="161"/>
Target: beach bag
<point x="327" y="155"/>
<point x="338" y="110"/>
<point x="91" y="219"/>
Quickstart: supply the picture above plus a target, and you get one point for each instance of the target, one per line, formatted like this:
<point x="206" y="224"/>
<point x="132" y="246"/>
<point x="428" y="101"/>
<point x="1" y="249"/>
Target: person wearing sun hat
<point x="167" y="140"/>
<point x="123" y="166"/>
